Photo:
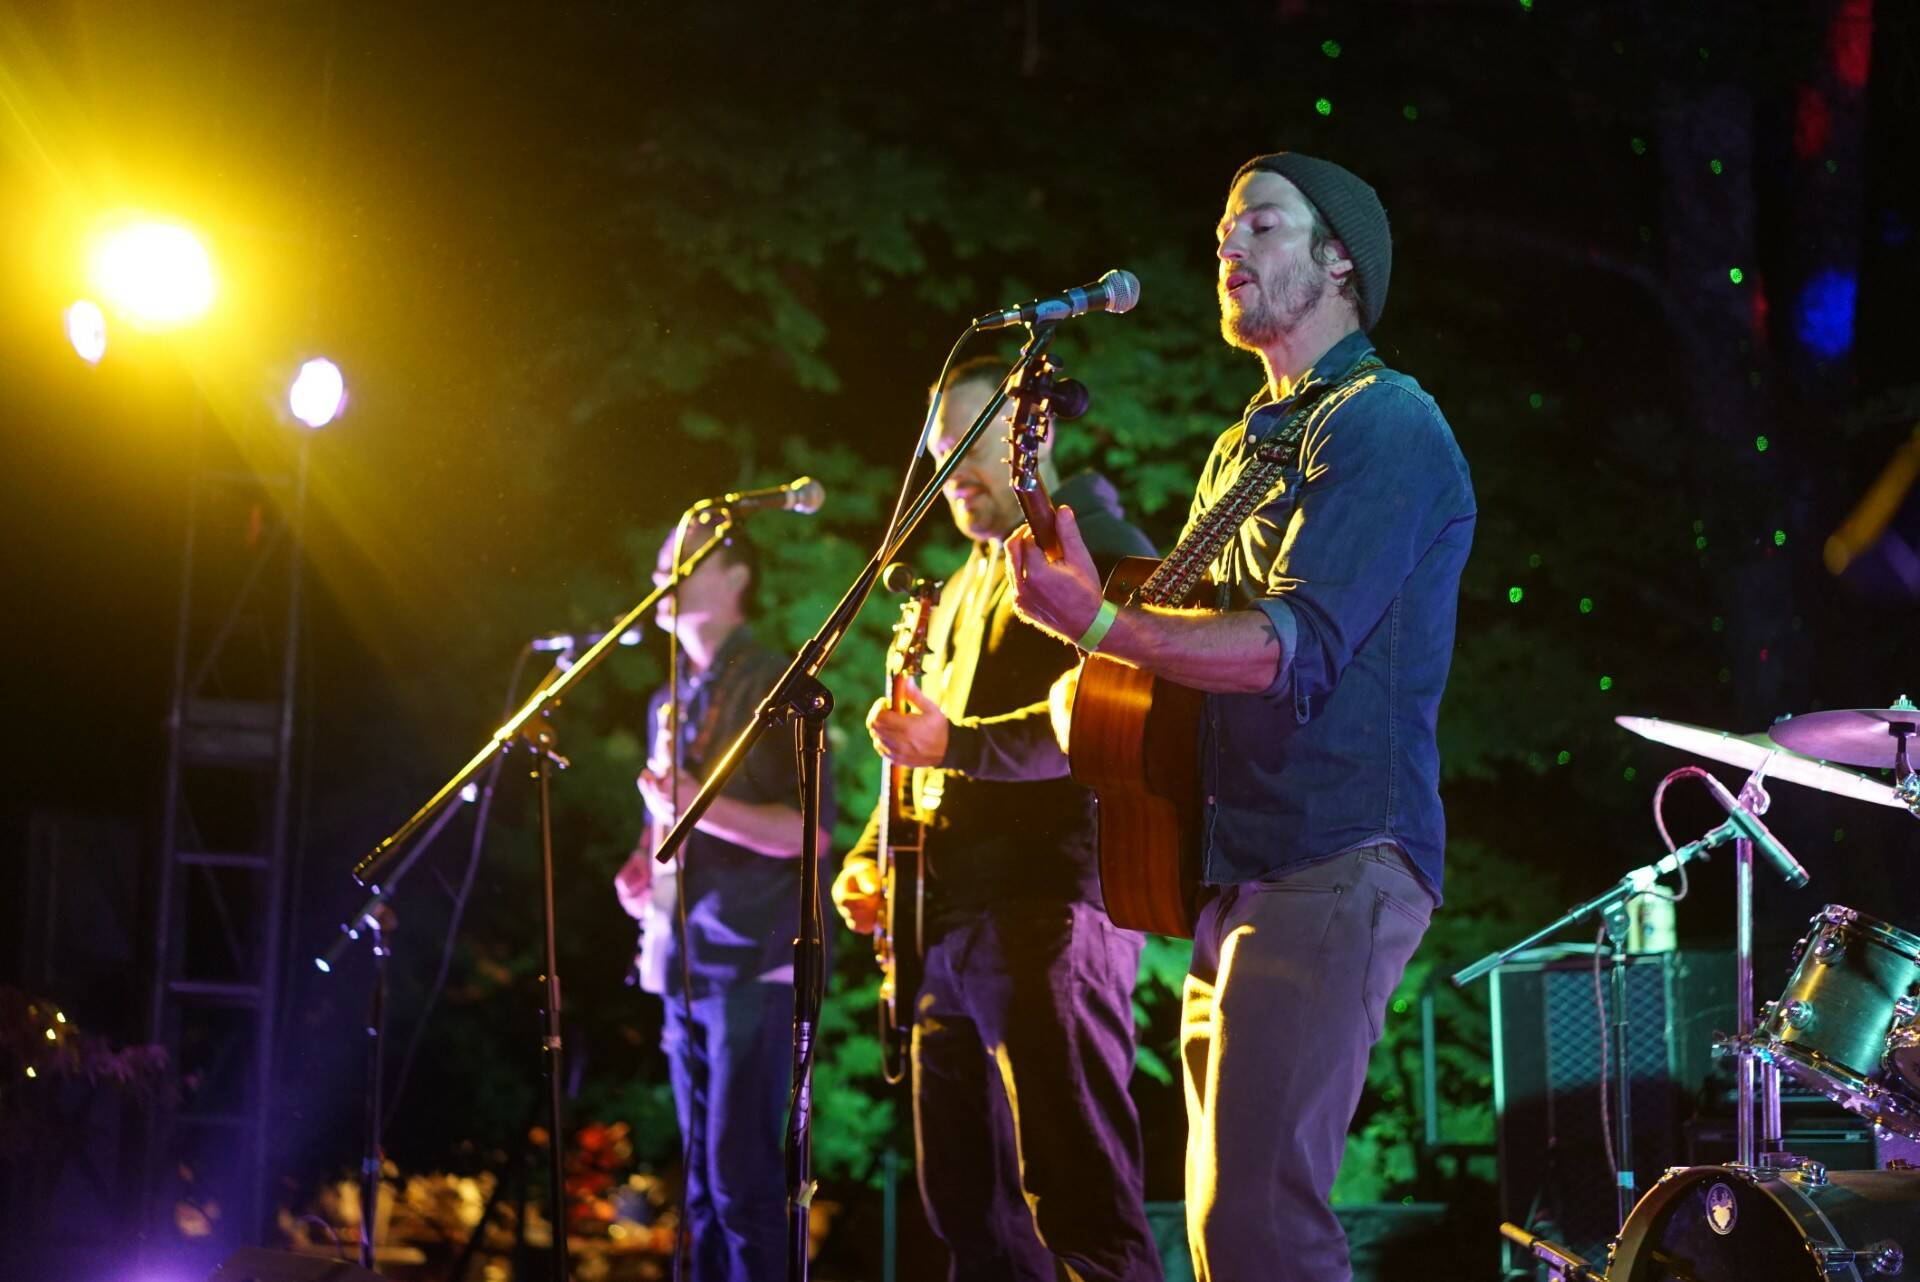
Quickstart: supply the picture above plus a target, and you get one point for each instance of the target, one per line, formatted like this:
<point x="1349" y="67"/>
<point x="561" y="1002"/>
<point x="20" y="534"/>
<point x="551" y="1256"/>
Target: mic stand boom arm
<point x="1637" y="882"/>
<point x="367" y="871"/>
<point x="799" y="699"/>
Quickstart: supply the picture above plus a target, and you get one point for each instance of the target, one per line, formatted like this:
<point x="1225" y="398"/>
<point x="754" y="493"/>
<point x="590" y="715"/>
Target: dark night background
<point x="583" y="264"/>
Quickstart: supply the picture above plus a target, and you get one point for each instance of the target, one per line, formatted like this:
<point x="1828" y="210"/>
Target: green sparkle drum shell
<point x="1831" y="1028"/>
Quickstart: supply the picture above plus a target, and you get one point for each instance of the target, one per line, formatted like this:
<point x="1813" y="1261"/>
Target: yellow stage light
<point x="87" y="330"/>
<point x="318" y="394"/>
<point x="156" y="274"/>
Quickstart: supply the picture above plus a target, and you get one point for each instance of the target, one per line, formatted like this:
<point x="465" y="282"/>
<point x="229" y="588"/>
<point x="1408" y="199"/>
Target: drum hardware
<point x="1611" y="907"/>
<point x="1876" y="737"/>
<point x="1787" y="1221"/>
<point x="1884" y="1256"/>
<point x="1792" y="1166"/>
<point x="1847" y="1026"/>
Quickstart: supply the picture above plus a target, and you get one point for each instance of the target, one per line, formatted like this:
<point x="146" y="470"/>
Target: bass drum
<point x="1725" y="1224"/>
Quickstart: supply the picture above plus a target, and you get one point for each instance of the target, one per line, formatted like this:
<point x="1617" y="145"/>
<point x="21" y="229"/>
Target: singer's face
<point x="712" y="590"/>
<point x="980" y="491"/>
<point x="1269" y="282"/>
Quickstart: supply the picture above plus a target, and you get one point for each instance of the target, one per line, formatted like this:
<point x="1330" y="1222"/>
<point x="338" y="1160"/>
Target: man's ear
<point x="740" y="576"/>
<point x="1334" y="257"/>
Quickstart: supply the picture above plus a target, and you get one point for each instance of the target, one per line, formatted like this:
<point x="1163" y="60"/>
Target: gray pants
<point x="1289" y="983"/>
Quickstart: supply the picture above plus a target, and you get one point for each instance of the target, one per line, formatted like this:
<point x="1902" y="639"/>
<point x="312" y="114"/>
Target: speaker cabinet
<point x="1549" y="1036"/>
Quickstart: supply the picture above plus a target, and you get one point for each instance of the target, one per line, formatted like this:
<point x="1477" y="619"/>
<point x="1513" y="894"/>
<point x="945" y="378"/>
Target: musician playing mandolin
<point x="1028" y="1146"/>
<point x="1322" y="636"/>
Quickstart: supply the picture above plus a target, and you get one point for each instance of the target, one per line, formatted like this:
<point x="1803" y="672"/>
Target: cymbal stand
<point x="1754" y="1073"/>
<point x="1906" y="784"/>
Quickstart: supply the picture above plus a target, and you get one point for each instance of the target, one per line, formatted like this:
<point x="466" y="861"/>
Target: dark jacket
<point x="1011" y="826"/>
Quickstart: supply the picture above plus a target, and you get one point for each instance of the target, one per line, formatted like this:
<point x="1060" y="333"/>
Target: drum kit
<point x="1847" y="1026"/>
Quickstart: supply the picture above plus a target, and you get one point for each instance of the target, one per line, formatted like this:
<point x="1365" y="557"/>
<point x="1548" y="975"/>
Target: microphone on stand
<point x="569" y="641"/>
<point x="802" y="494"/>
<point x="1117" y="291"/>
<point x="1753" y="830"/>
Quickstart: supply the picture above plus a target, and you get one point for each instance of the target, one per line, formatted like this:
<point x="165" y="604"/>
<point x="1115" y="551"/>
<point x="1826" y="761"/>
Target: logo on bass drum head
<point x="1722" y="1213"/>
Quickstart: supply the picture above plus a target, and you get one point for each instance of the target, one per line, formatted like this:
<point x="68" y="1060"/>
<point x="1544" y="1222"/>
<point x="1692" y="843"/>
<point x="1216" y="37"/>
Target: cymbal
<point x="1748" y="750"/>
<point x="1857" y="736"/>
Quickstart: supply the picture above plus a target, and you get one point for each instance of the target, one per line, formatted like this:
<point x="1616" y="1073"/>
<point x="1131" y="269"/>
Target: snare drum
<point x="1836" y="1028"/>
<point x="1731" y="1224"/>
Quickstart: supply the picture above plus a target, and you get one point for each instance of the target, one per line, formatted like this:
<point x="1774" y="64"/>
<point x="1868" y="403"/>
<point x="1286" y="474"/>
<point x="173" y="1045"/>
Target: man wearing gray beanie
<point x="1324" y="551"/>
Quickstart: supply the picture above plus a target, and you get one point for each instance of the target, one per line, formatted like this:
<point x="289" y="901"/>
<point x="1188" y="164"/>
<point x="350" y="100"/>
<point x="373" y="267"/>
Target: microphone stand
<point x="799" y="699"/>
<point x="539" y="738"/>
<point x="372" y="1159"/>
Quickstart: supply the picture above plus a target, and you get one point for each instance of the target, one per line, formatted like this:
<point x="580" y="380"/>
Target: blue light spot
<point x="1823" y="318"/>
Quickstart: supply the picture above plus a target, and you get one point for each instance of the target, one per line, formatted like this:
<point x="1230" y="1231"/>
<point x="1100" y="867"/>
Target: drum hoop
<point x="1903" y="942"/>
<point x="1819" y="1071"/>
<point x="1632" y="1237"/>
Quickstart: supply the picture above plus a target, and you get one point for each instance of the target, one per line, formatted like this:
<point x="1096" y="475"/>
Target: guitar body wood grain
<point x="1135" y="741"/>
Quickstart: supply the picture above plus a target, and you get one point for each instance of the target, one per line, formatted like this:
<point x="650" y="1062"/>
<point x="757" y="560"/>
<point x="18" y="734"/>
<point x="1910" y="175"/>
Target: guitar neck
<point x="1037" y="505"/>
<point x="899" y="778"/>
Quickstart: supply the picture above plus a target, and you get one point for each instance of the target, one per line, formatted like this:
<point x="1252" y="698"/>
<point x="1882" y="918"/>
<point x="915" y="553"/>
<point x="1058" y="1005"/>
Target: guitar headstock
<point x="1042" y="394"/>
<point x="907" y="653"/>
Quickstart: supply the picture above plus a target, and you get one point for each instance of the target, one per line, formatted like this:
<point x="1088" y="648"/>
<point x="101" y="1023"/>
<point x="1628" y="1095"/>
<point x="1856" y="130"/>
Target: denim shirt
<point x="1355" y="555"/>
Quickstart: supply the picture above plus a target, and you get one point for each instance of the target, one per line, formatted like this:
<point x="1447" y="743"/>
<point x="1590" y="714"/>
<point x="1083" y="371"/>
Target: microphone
<point x="1117" y="291"/>
<point x="568" y="640"/>
<point x="802" y="494"/>
<point x="1753" y="830"/>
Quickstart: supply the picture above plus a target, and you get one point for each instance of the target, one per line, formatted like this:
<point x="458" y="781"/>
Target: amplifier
<point x="1549" y="1032"/>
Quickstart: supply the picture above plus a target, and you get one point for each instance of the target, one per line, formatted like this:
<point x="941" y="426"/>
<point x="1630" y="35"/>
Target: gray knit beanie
<point x="1352" y="209"/>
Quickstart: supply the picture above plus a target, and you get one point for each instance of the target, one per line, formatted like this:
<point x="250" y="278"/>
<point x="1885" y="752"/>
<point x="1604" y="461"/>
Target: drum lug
<point x="1829" y="949"/>
<point x="1884" y="1257"/>
<point x="1806" y="1170"/>
<point x="1797" y="1014"/>
<point x="1907" y="1007"/>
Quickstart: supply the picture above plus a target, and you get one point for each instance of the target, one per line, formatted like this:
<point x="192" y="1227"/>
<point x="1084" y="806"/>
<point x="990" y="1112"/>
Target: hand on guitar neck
<point x="1064" y="600"/>
<point x="1042" y="517"/>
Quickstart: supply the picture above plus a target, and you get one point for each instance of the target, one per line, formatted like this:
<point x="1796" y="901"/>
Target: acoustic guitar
<point x="1134" y="738"/>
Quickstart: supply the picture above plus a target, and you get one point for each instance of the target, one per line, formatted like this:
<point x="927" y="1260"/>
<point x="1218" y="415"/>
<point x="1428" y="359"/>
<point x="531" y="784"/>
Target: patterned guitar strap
<point x="1187" y="564"/>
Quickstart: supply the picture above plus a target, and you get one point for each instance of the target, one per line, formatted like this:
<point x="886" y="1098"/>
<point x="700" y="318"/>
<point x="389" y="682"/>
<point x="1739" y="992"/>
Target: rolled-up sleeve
<point x="1381" y="478"/>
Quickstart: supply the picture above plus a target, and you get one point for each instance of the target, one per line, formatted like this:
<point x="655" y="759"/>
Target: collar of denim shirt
<point x="1263" y="412"/>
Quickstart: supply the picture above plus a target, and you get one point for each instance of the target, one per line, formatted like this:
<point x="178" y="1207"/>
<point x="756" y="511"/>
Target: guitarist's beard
<point x="1274" y="305"/>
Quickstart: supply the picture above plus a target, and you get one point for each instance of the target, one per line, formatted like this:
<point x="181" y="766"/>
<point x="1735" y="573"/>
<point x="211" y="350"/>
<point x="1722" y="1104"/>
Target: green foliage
<point x="776" y="285"/>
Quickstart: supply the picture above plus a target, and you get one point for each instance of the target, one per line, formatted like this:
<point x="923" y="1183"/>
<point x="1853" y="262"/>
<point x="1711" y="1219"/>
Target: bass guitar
<point x="898" y="937"/>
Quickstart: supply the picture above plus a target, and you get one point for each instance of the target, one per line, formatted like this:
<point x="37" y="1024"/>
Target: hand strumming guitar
<point x="917" y="738"/>
<point x="657" y="790"/>
<point x="634" y="882"/>
<point x="856" y="894"/>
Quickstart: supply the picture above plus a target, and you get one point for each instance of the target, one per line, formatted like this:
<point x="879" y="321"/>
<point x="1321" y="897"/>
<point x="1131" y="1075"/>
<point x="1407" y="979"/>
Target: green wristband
<point x="1097" y="630"/>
